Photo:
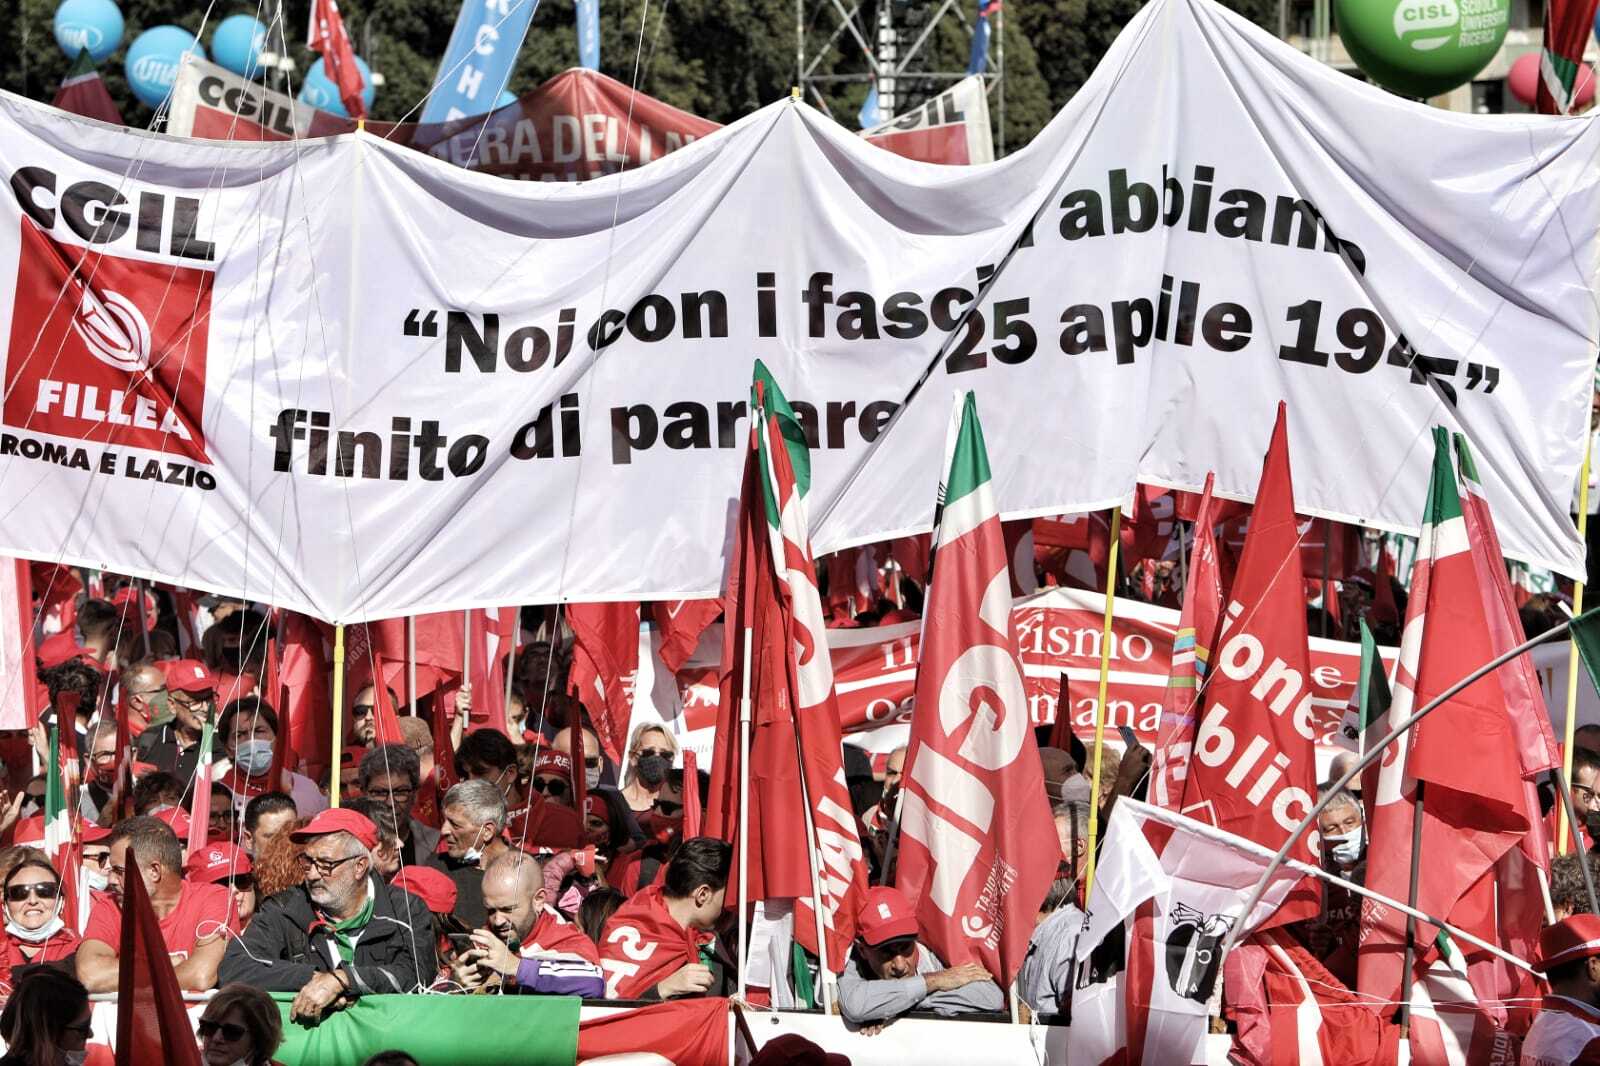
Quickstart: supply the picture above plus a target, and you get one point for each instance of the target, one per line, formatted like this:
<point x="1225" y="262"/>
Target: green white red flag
<point x="1253" y="770"/>
<point x="200" y="806"/>
<point x="1464" y="753"/>
<point x="1191" y="654"/>
<point x="60" y="833"/>
<point x="1567" y="25"/>
<point x="974" y="815"/>
<point x="771" y="594"/>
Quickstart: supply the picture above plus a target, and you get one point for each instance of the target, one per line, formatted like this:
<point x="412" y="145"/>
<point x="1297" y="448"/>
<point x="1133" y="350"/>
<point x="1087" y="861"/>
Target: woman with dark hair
<point x="596" y="909"/>
<point x="35" y="928"/>
<point x="241" y="1024"/>
<point x="46" y="1020"/>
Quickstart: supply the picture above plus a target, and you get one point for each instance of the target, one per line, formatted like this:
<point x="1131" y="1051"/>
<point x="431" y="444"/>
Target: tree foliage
<point x="709" y="57"/>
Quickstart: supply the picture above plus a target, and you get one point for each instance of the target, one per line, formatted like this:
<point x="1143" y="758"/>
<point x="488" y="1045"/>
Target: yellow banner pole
<point x="1100" y="703"/>
<point x="338" y="712"/>
<point x="1572" y="656"/>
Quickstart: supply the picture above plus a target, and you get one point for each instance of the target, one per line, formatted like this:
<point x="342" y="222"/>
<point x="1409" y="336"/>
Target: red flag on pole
<point x="1191" y="654"/>
<point x="1465" y="751"/>
<point x="283" y="754"/>
<point x="580" y="782"/>
<point x="152" y="1025"/>
<point x="605" y="661"/>
<point x="1253" y="769"/>
<point x="974" y="809"/>
<point x="681" y="622"/>
<point x="385" y="718"/>
<point x="303" y="672"/>
<point x="1567" y="25"/>
<point x="326" y="34"/>
<point x="691" y="793"/>
<point x="83" y="92"/>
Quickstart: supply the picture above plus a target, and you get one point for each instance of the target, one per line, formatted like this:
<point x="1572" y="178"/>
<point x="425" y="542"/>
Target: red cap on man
<point x="216" y="863"/>
<point x="885" y="915"/>
<point x="1569" y="940"/>
<point x="338" y="820"/>
<point x="189" y="675"/>
<point x="433" y="887"/>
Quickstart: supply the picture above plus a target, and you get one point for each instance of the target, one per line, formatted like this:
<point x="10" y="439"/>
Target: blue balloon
<point x="94" y="26"/>
<point x="320" y="92"/>
<point x="152" y="61"/>
<point x="237" y="44"/>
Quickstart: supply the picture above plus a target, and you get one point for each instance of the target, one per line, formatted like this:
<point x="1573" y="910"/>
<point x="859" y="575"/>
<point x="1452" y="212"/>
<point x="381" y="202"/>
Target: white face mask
<point x="254" y="757"/>
<point x="1344" y="848"/>
<point x="474" y="853"/>
<point x="94" y="879"/>
<point x="44" y="932"/>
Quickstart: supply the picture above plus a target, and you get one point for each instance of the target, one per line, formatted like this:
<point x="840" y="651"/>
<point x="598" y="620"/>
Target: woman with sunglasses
<point x="651" y="753"/>
<point x="46" y="1020"/>
<point x="552" y="776"/>
<point x="241" y="1026"/>
<point x="36" y="929"/>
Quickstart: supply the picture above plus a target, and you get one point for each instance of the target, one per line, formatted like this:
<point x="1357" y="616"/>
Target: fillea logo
<point x="113" y="330"/>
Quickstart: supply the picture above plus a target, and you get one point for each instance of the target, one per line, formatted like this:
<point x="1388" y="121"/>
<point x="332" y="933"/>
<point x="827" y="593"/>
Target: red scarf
<point x="643" y="945"/>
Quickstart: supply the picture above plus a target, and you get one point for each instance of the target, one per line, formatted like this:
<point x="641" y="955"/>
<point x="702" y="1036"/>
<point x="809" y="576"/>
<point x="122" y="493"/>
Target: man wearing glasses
<point x="1585" y="795"/>
<point x="342" y="933"/>
<point x="390" y="777"/>
<point x="363" y="720"/>
<point x="175" y="746"/>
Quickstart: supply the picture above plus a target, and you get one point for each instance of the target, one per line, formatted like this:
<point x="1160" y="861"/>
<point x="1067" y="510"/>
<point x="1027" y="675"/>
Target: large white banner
<point x="357" y="381"/>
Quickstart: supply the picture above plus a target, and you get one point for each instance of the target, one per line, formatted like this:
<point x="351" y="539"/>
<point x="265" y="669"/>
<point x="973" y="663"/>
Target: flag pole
<point x="1100" y="703"/>
<point x="1403" y="1015"/>
<point x="511" y="654"/>
<point x="1562" y="816"/>
<point x="744" y="815"/>
<point x="1371" y="755"/>
<point x="144" y="621"/>
<point x="338" y="711"/>
<point x="411" y="663"/>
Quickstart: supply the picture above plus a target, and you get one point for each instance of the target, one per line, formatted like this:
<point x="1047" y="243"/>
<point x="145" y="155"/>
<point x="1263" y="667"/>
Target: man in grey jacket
<point x="1050" y="966"/>
<point x="889" y="973"/>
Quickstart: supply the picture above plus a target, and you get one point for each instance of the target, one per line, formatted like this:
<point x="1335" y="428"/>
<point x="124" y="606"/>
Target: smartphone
<point x="460" y="943"/>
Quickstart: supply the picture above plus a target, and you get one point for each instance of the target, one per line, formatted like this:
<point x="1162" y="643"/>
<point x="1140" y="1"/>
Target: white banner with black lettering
<point x="343" y="377"/>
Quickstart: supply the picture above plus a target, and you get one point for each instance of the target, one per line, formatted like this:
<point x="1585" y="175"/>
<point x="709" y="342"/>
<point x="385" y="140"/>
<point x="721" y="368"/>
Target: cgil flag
<point x="1253" y="770"/>
<point x="974" y="807"/>
<point x="1463" y="754"/>
<point x="605" y="661"/>
<point x="1191" y="655"/>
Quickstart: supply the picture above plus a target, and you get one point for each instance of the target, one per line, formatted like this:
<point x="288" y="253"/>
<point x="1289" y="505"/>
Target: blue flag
<point x="978" y="61"/>
<point x="477" y="64"/>
<point x="871" y="114"/>
<point x="589" y="34"/>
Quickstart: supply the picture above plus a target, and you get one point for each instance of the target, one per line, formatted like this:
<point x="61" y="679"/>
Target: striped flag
<point x="60" y="831"/>
<point x="200" y="806"/>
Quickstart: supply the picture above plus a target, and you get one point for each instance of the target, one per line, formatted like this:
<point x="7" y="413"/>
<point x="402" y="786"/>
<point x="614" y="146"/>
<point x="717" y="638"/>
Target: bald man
<point x="532" y="947"/>
<point x="144" y="690"/>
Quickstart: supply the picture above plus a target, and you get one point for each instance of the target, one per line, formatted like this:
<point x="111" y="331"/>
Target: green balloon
<point x="1422" y="48"/>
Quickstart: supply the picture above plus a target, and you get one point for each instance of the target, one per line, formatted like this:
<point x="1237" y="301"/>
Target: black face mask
<point x="1591" y="822"/>
<point x="653" y="769"/>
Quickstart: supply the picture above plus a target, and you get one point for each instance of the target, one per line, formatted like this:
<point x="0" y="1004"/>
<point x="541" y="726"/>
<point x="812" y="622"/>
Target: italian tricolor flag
<point x="60" y="842"/>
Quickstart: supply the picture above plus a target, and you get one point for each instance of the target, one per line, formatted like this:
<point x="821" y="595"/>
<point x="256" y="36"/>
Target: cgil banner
<point x="349" y="379"/>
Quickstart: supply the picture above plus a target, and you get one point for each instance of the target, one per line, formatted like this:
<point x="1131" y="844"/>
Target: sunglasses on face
<point x="645" y="753"/>
<point x="230" y="1032"/>
<point x="44" y="890"/>
<point x="361" y="710"/>
<point x="243" y="883"/>
<point x="551" y="786"/>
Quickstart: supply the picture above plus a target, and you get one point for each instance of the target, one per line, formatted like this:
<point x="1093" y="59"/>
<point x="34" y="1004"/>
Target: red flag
<point x="326" y="34"/>
<point x="83" y="92"/>
<point x="1562" y="71"/>
<point x="383" y="647"/>
<point x="605" y="661"/>
<point x="152" y="1024"/>
<point x="1061" y="728"/>
<point x="1464" y="752"/>
<point x="691" y="792"/>
<point x="772" y="595"/>
<point x="681" y="622"/>
<point x="643" y="945"/>
<point x="580" y="780"/>
<point x="307" y="710"/>
<point x="974" y="810"/>
<point x="18" y="676"/>
<point x="681" y="1032"/>
<point x="283" y="755"/>
<point x="385" y="718"/>
<point x="1253" y="769"/>
<point x="1191" y="654"/>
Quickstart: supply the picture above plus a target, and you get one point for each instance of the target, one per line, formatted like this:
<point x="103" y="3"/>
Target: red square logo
<point x="106" y="349"/>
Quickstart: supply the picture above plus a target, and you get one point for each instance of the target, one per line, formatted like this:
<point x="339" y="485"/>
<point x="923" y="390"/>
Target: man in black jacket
<point x="341" y="934"/>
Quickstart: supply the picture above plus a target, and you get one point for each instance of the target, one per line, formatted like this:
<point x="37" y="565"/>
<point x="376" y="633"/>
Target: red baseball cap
<point x="190" y="675"/>
<point x="58" y="649"/>
<point x="29" y="831"/>
<point x="92" y="833"/>
<point x="215" y="863"/>
<point x="1569" y="940"/>
<point x="433" y="887"/>
<point x="176" y="819"/>
<point x="885" y="915"/>
<point x="339" y="820"/>
<point x="553" y="762"/>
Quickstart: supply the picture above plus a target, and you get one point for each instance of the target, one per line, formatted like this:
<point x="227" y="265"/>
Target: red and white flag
<point x="605" y="662"/>
<point x="1253" y="769"/>
<point x="1464" y="753"/>
<point x="681" y="622"/>
<point x="326" y="34"/>
<point x="682" y="1032"/>
<point x="1191" y="655"/>
<point x="772" y="594"/>
<point x="974" y="809"/>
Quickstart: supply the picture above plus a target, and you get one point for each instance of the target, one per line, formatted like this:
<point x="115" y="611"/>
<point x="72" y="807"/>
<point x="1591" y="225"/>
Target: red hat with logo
<point x="215" y="863"/>
<point x="338" y="820"/>
<point x="553" y="762"/>
<point x="190" y="675"/>
<point x="433" y="887"/>
<point x="1569" y="940"/>
<point x="885" y="915"/>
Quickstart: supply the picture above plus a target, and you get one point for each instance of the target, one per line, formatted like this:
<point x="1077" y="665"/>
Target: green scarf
<point x="342" y="940"/>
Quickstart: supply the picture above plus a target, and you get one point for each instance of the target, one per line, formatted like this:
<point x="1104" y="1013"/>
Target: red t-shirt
<point x="202" y="912"/>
